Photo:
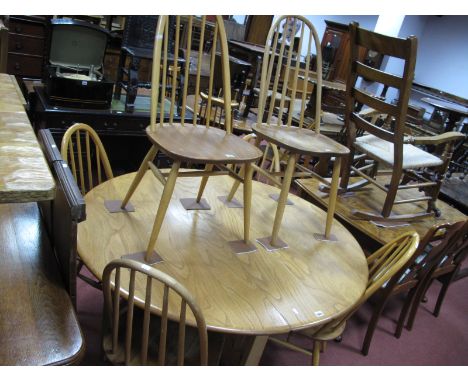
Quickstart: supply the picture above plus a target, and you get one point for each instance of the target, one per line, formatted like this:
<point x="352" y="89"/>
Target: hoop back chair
<point x="277" y="130"/>
<point x="431" y="249"/>
<point x="89" y="165"/>
<point x="445" y="265"/>
<point x="165" y="297"/>
<point x="383" y="264"/>
<point x="407" y="164"/>
<point x="88" y="158"/>
<point x="206" y="145"/>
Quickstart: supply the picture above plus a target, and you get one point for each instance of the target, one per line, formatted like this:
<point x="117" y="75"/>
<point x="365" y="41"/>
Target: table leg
<point x="256" y="351"/>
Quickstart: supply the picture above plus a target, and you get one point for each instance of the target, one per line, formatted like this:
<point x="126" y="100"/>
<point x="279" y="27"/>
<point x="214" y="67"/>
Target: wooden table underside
<point x="256" y="293"/>
<point x="24" y="174"/>
<point x="371" y="199"/>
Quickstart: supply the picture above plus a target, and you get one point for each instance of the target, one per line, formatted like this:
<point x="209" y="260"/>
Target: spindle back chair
<point x="281" y="67"/>
<point x="164" y="297"/>
<point x="383" y="264"/>
<point x="85" y="154"/>
<point x="186" y="141"/>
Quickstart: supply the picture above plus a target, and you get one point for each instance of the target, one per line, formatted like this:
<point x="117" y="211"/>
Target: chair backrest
<point x="440" y="240"/>
<point x="62" y="215"/>
<point x="84" y="152"/>
<point x="209" y="35"/>
<point x="357" y="99"/>
<point x="163" y="296"/>
<point x="384" y="264"/>
<point x="282" y="65"/>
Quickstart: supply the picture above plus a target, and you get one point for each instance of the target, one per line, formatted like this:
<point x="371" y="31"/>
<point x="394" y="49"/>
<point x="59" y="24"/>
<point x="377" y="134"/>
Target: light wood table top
<point x="371" y="199"/>
<point x="24" y="174"/>
<point x="257" y="293"/>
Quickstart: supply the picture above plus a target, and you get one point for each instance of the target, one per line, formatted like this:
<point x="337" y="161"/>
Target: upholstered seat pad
<point x="199" y="144"/>
<point x="299" y="140"/>
<point x="379" y="149"/>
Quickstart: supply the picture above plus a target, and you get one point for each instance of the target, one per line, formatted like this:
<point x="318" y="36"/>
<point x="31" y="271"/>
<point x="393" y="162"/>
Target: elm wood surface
<point x="455" y="112"/>
<point x="24" y="174"/>
<point x="371" y="199"/>
<point x="38" y="325"/>
<point x="258" y="293"/>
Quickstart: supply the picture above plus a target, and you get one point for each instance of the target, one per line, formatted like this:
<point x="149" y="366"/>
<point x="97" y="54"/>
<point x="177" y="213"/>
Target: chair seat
<point x="413" y="157"/>
<point x="301" y="141"/>
<point x="199" y="144"/>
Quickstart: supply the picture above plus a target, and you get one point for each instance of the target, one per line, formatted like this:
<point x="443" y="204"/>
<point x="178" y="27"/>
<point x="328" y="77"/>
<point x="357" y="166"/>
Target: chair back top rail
<point x="277" y="64"/>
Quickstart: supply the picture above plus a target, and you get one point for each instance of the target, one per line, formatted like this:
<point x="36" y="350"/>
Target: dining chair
<point x="278" y="130"/>
<point x="186" y="141"/>
<point x="432" y="246"/>
<point x="446" y="266"/>
<point x="131" y="334"/>
<point x="85" y="154"/>
<point x="408" y="166"/>
<point x="383" y="264"/>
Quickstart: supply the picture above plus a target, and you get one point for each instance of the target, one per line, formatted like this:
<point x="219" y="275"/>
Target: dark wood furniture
<point x="454" y="112"/>
<point x="122" y="133"/>
<point x="410" y="166"/>
<point x="257" y="28"/>
<point x="38" y="325"/>
<point x="27" y="45"/>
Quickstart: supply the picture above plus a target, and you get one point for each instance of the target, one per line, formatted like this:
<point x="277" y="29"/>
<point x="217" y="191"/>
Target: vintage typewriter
<point x="74" y="75"/>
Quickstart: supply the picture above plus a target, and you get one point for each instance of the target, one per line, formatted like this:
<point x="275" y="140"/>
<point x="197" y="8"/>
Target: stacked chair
<point x="289" y="142"/>
<point x="187" y="141"/>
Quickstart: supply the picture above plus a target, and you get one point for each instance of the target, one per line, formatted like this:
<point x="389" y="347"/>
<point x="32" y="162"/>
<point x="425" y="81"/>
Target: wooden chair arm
<point x="436" y="139"/>
<point x="216" y="101"/>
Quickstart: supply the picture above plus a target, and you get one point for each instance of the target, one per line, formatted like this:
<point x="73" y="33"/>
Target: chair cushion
<point x="382" y="150"/>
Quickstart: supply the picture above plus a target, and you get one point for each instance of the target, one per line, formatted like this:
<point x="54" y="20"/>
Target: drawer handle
<point x="18" y="29"/>
<point x="17" y="66"/>
<point x="19" y="46"/>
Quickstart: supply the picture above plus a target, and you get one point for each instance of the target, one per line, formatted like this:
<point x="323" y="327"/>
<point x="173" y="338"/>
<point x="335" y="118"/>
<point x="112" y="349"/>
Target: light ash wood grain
<point x="256" y="293"/>
<point x="24" y="174"/>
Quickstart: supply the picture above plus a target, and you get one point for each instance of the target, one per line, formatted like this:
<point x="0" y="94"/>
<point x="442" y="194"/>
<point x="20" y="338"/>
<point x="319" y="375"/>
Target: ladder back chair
<point x="432" y="246"/>
<point x="383" y="264"/>
<point x="445" y="266"/>
<point x="408" y="165"/>
<point x="84" y="152"/>
<point x="139" y="340"/>
<point x="277" y="129"/>
<point x="202" y="145"/>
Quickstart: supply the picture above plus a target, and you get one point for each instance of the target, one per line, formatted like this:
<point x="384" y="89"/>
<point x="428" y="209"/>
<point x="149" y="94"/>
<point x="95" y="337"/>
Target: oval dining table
<point x="255" y="294"/>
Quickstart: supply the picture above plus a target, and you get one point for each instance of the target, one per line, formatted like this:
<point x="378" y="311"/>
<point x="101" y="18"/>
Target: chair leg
<point x="235" y="185"/>
<point x="409" y="301"/>
<point x="163" y="204"/>
<point x="139" y="175"/>
<point x="203" y="182"/>
<point x="446" y="281"/>
<point x="333" y="196"/>
<point x="373" y="324"/>
<point x="248" y="169"/>
<point x="419" y="295"/>
<point x="391" y="194"/>
<point x="283" y="198"/>
<point x="316" y="353"/>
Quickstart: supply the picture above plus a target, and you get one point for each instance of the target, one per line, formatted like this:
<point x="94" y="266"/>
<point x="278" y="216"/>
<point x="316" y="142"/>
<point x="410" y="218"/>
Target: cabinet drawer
<point x="24" y="65"/>
<point x="25" y="27"/>
<point x="24" y="44"/>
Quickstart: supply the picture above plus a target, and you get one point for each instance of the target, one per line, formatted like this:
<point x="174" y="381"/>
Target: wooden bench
<point x="62" y="215"/>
